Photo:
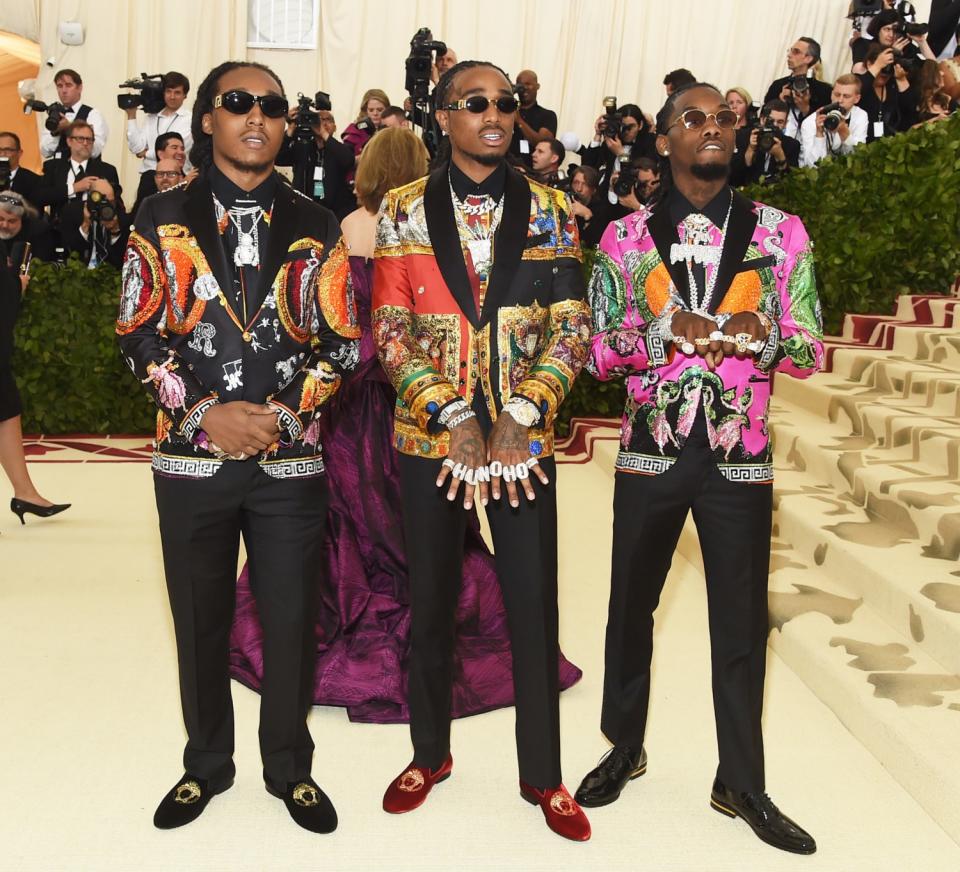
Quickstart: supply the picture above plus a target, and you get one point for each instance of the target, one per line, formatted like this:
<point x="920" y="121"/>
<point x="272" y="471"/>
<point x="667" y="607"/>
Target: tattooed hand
<point x="510" y="445"/>
<point x="466" y="447"/>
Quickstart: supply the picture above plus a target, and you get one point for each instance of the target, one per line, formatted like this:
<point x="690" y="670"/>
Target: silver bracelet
<point x="458" y="419"/>
<point x="450" y="410"/>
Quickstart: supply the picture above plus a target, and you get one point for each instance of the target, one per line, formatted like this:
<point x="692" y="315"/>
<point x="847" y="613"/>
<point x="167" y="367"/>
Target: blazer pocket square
<point x="757" y="263"/>
<point x="538" y="239"/>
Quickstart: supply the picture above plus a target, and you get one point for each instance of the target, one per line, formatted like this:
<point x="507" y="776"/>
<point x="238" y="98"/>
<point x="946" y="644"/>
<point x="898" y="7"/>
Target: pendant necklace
<point x="698" y="237"/>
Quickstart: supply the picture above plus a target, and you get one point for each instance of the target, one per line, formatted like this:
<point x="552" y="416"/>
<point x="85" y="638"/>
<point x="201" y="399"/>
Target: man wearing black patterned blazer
<point x="237" y="314"/>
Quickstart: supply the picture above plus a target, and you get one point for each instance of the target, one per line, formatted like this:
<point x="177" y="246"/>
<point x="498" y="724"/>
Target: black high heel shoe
<point x="22" y="507"/>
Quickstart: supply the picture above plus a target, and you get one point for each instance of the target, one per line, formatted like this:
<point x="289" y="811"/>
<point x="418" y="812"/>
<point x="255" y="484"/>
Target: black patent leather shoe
<point x="769" y="823"/>
<point x="603" y="785"/>
<point x="186" y="801"/>
<point x="308" y="805"/>
<point x="22" y="507"/>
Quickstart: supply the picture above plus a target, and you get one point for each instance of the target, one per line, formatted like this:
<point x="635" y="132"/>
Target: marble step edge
<point x="914" y="593"/>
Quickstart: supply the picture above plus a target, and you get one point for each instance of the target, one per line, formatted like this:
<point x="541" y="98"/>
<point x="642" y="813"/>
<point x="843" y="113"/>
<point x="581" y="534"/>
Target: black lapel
<point x="664" y="233"/>
<point x="508" y="242"/>
<point x="202" y="221"/>
<point x="442" y="228"/>
<point x="743" y="221"/>
<point x="283" y="231"/>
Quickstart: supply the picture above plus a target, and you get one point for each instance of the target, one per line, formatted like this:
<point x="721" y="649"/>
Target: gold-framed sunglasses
<point x="695" y="119"/>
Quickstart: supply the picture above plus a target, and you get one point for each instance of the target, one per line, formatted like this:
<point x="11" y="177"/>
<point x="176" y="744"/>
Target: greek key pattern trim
<point x="286" y="420"/>
<point x="185" y="467"/>
<point x="300" y="468"/>
<point x="191" y="423"/>
<point x="747" y="473"/>
<point x="643" y="464"/>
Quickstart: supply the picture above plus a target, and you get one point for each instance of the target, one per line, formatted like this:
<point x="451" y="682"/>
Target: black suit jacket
<point x="55" y="174"/>
<point x="181" y="335"/>
<point x="820" y="92"/>
<point x="110" y="247"/>
<point x="603" y="159"/>
<point x="27" y="183"/>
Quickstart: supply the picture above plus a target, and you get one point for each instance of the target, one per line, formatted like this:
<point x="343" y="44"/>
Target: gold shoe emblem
<point x="562" y="804"/>
<point x="305" y="795"/>
<point x="411" y="781"/>
<point x="187" y="793"/>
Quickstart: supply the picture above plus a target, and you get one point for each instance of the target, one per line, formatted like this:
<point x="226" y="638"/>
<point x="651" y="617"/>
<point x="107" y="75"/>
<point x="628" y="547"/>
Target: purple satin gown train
<point x="363" y="619"/>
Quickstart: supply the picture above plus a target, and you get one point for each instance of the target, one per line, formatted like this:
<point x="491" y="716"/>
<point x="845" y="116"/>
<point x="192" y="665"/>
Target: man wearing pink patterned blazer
<point x="698" y="301"/>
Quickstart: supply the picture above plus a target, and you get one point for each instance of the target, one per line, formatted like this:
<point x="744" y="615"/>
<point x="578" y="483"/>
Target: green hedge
<point x="885" y="220"/>
<point x="67" y="362"/>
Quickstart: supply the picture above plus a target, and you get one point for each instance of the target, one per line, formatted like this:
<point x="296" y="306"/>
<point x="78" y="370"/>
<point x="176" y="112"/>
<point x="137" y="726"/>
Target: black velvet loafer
<point x="603" y="785"/>
<point x="308" y="805"/>
<point x="186" y="801"/>
<point x="769" y="823"/>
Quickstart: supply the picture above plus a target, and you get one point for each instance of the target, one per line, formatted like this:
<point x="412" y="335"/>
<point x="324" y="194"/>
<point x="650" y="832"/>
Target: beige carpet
<point x="91" y="735"/>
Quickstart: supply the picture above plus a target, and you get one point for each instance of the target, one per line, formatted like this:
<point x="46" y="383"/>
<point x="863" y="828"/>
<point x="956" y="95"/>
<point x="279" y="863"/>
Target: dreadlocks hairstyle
<point x="201" y="154"/>
<point x="664" y="117"/>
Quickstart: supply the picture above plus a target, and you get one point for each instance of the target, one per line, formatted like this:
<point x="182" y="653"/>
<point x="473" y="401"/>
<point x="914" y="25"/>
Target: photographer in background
<point x="676" y="79"/>
<point x="618" y="135"/>
<point x="394" y="116"/>
<point x="96" y="228"/>
<point x="329" y="163"/>
<point x="14" y="177"/>
<point x="740" y="101"/>
<point x="534" y="124"/>
<point x="71" y="108"/>
<point x="886" y="94"/>
<point x="547" y="157"/>
<point x="173" y="118"/>
<point x="72" y="178"/>
<point x="801" y="92"/>
<point x="368" y="122"/>
<point x="586" y="204"/>
<point x="889" y="30"/>
<point x="168" y="146"/>
<point x="21" y="223"/>
<point x="837" y="128"/>
<point x="764" y="151"/>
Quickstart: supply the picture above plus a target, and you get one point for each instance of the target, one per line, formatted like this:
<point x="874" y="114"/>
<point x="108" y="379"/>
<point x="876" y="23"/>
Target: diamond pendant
<point x="246" y="252"/>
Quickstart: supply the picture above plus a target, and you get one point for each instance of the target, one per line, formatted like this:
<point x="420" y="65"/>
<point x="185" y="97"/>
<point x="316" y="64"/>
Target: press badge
<point x="524" y="146"/>
<point x="878" y="130"/>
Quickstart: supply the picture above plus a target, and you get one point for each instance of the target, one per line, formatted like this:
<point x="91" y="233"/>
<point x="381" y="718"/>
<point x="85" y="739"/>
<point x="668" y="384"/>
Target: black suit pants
<point x="733" y="525"/>
<point x="525" y="542"/>
<point x="282" y="524"/>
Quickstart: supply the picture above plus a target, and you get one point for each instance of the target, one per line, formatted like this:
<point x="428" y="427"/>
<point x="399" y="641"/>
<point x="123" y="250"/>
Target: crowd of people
<point x="894" y="83"/>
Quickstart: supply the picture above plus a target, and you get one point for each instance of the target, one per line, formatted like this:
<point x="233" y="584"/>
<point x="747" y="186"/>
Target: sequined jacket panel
<point x="631" y="287"/>
<point x="531" y="336"/>
<point x="183" y="339"/>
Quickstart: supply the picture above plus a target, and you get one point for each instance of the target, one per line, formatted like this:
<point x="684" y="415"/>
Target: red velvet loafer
<point x="560" y="810"/>
<point x="410" y="790"/>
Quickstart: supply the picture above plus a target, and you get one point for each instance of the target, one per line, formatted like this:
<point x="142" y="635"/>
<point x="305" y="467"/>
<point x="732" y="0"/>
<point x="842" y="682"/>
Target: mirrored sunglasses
<point x="242" y="102"/>
<point x="695" y="119"/>
<point x="479" y="103"/>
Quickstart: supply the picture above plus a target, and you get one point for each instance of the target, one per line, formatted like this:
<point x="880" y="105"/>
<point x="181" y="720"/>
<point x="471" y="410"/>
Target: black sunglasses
<point x="242" y="102"/>
<point x="479" y="103"/>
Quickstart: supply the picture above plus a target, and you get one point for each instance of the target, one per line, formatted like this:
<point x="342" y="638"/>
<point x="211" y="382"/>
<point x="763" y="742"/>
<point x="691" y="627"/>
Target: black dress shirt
<point x="229" y="196"/>
<point x="492" y="185"/>
<point x="538" y="118"/>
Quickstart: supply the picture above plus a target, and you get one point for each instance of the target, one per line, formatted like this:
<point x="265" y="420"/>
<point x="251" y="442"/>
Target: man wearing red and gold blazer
<point x="482" y="326"/>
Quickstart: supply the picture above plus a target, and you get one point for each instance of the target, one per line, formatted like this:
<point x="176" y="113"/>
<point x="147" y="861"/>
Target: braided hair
<point x="201" y="153"/>
<point x="441" y="96"/>
<point x="664" y="118"/>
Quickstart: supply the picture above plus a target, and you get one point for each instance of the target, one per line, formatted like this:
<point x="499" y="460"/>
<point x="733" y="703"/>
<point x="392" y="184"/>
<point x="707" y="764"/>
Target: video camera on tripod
<point x="302" y="148"/>
<point x="424" y="52"/>
<point x="150" y="96"/>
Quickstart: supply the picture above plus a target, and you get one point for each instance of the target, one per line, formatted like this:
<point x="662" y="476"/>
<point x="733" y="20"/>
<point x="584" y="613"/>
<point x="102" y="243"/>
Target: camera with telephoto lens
<point x="626" y="183"/>
<point x="55" y="111"/>
<point x="150" y="97"/>
<point x="308" y="114"/>
<point x="100" y="208"/>
<point x="767" y="135"/>
<point x="424" y="49"/>
<point x="908" y="29"/>
<point x="908" y="62"/>
<point x="833" y="114"/>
